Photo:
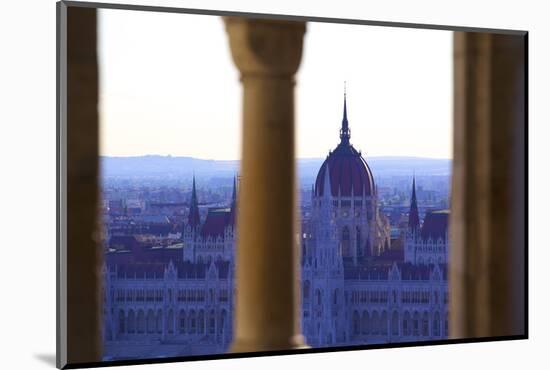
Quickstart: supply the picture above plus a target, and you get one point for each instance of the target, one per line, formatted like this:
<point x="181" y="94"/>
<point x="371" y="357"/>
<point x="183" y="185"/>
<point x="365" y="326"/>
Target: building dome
<point x="349" y="174"/>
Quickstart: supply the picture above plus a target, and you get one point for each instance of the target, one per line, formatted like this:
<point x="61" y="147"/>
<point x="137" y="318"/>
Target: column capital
<point x="265" y="48"/>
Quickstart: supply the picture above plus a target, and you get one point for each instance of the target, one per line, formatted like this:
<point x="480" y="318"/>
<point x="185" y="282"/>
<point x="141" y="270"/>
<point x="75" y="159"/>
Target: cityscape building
<point x="170" y="292"/>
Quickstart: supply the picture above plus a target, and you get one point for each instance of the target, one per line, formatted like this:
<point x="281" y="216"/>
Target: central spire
<point x="194" y="218"/>
<point x="345" y="131"/>
<point x="414" y="220"/>
<point x="233" y="209"/>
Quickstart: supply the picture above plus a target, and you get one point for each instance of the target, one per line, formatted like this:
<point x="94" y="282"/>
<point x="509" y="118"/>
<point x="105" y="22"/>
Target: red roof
<point x="216" y="222"/>
<point x="349" y="173"/>
<point x="435" y="225"/>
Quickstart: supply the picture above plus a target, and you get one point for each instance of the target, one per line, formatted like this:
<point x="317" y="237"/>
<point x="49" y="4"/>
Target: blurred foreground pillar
<point x="267" y="54"/>
<point x="79" y="274"/>
<point x="487" y="270"/>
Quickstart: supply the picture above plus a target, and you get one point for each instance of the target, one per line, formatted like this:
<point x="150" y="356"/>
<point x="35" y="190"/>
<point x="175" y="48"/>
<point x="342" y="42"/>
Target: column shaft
<point x="80" y="125"/>
<point x="487" y="271"/>
<point x="267" y="54"/>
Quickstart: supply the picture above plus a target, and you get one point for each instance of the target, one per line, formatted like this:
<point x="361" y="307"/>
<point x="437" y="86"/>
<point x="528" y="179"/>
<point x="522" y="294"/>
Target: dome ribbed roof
<point x="349" y="173"/>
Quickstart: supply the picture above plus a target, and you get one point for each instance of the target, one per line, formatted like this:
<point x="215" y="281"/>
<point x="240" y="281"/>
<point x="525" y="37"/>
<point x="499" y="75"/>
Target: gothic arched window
<point x="212" y="322"/>
<point x="182" y="322"/>
<point x="365" y="327"/>
<point x="384" y="323"/>
<point x="193" y="322"/>
<point x="222" y="320"/>
<point x="345" y="241"/>
<point x="375" y="323"/>
<point x="141" y="322"/>
<point x="121" y="322"/>
<point x="170" y="322"/>
<point x="416" y="319"/>
<point x="356" y="323"/>
<point x="406" y="324"/>
<point x="131" y="327"/>
<point x="395" y="323"/>
<point x="200" y="323"/>
<point x="436" y="325"/>
<point x="151" y="321"/>
<point x="425" y="324"/>
<point x="159" y="321"/>
<point x="359" y="251"/>
<point x="306" y="290"/>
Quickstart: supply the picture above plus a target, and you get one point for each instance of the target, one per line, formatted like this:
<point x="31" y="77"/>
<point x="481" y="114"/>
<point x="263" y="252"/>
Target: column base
<point x="261" y="345"/>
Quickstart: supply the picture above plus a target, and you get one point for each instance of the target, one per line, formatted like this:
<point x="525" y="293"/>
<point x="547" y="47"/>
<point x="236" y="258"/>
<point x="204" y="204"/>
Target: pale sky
<point x="169" y="86"/>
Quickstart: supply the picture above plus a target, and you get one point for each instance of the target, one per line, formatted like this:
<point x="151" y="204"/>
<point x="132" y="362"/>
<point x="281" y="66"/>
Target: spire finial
<point x="345" y="131"/>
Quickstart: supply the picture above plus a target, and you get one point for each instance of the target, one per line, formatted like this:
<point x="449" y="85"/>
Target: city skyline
<point x="145" y="115"/>
<point x="372" y="269"/>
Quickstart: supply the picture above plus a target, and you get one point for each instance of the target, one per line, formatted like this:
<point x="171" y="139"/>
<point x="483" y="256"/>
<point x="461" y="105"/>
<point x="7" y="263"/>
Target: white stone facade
<point x="348" y="297"/>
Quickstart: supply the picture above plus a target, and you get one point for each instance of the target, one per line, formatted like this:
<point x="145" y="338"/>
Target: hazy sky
<point x="169" y="86"/>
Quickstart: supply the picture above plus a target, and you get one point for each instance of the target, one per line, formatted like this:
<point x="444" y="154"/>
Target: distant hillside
<point x="182" y="167"/>
<point x="156" y="165"/>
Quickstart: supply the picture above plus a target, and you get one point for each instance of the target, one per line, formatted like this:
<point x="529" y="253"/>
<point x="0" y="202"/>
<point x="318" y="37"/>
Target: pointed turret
<point x="414" y="220"/>
<point x="345" y="131"/>
<point x="233" y="213"/>
<point x="350" y="175"/>
<point x="234" y="194"/>
<point x="194" y="219"/>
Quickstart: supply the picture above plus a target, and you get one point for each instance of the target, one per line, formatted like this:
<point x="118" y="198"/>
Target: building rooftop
<point x="435" y="225"/>
<point x="216" y="221"/>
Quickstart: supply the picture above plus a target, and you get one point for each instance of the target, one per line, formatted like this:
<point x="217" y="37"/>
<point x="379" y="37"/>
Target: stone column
<point x="267" y="54"/>
<point x="79" y="254"/>
<point x="487" y="270"/>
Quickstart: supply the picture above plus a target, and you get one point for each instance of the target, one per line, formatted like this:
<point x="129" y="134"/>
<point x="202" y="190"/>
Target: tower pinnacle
<point x="345" y="131"/>
<point x="194" y="218"/>
<point x="414" y="220"/>
<point x="233" y="209"/>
